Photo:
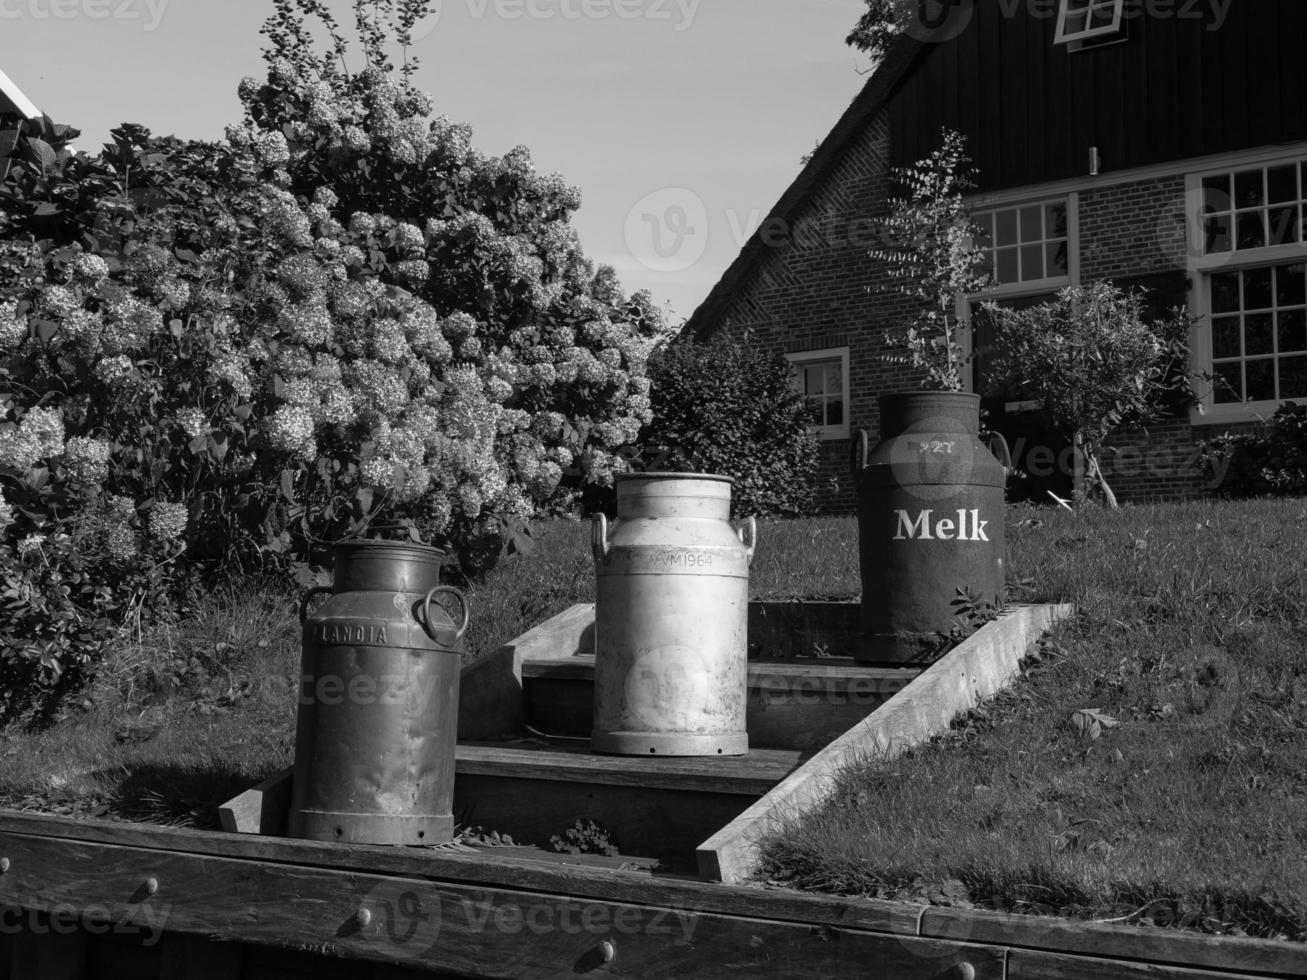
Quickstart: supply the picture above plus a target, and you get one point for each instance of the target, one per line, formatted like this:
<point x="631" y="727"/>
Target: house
<point x="1154" y="143"/>
<point x="13" y="102"/>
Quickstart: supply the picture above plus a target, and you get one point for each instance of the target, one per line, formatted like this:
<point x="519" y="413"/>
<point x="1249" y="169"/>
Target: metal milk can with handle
<point x="671" y="618"/>
<point x="378" y="705"/>
<point x="931" y="521"/>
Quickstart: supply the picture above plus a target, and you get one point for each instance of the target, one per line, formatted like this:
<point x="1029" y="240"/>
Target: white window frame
<point x="1202" y="266"/>
<point x="1048" y="283"/>
<point x="1065" y="36"/>
<point x="1017" y="290"/>
<point x="802" y="359"/>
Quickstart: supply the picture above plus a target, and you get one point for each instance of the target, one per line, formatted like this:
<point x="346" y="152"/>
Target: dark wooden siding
<point x="1175" y="88"/>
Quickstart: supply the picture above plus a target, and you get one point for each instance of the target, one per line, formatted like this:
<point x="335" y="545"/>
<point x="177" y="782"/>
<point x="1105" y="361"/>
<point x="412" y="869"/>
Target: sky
<point x="681" y="121"/>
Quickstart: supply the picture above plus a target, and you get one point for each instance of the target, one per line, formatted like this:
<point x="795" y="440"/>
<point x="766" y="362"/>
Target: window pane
<point x="1257" y="289"/>
<point x="1032" y="225"/>
<point x="834" y="384"/>
<point x="1006" y="265"/>
<point x="1291" y="285"/>
<point x="1103" y="16"/>
<point x="835" y="412"/>
<point x="1261" y="380"/>
<point x="984" y="229"/>
<point x="1282" y="184"/>
<point x="1005" y="228"/>
<point x="1056" y="258"/>
<point x="1248" y="190"/>
<point x="813" y="379"/>
<point x="1293" y="377"/>
<point x="1252" y="229"/>
<point x="1258" y="335"/>
<point x="1032" y="262"/>
<point x="1217" y="231"/>
<point x="1225" y="292"/>
<point x="1225" y="337"/>
<point x="1075" y="22"/>
<point x="1293" y="331"/>
<point x="1228" y="383"/>
<point x="1284" y="225"/>
<point x="1216" y="192"/>
<point x="1055" y="224"/>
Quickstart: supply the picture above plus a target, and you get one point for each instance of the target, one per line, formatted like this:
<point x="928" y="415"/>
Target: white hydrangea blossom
<point x="87" y="459"/>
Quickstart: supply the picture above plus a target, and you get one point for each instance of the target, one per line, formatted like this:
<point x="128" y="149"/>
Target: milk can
<point x="671" y="618"/>
<point x="930" y="522"/>
<point x="378" y="706"/>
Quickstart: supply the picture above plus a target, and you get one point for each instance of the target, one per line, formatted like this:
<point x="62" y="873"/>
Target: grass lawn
<point x="1186" y="805"/>
<point x="1190" y="810"/>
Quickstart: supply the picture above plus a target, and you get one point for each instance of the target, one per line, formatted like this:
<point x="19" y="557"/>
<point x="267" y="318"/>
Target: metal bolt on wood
<point x="4" y="865"/>
<point x="363" y="917"/>
<point x="607" y="951"/>
<point x="151" y="886"/>
<point x="966" y="971"/>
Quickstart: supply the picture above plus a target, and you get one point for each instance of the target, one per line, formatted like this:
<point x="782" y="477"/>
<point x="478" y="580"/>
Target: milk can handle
<point x="462" y="601"/>
<point x="599" y="537"/>
<point x="999" y="447"/>
<point x="747" y="529"/>
<point x="859" y="449"/>
<point x="304" y="603"/>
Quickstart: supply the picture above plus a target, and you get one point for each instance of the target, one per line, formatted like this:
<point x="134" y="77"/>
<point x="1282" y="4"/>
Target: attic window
<point x="1088" y="20"/>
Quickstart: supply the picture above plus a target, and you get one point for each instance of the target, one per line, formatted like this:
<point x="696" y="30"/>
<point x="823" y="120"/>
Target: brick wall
<point x="818" y="288"/>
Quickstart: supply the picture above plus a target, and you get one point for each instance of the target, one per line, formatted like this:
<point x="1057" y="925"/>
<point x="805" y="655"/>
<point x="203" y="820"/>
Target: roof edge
<point x="13" y="99"/>
<point x="864" y="107"/>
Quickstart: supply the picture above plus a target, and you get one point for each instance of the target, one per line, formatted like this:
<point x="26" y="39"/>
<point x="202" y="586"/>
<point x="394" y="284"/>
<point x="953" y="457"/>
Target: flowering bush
<point x="343" y="320"/>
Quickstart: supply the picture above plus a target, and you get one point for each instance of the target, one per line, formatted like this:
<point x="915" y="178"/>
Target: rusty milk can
<point x="671" y="618"/>
<point x="378" y="705"/>
<point x="930" y="521"/>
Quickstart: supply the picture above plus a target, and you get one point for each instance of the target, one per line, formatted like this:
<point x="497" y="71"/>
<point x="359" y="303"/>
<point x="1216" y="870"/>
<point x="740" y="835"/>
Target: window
<point x="1027" y="243"/>
<point x="1259" y="333"/>
<point x="822" y="376"/>
<point x="1258" y="208"/>
<point x="1087" y="20"/>
<point x="1250" y="275"/>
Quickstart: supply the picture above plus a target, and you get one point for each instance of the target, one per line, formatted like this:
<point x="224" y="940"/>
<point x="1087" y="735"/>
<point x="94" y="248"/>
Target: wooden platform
<point x="93" y="899"/>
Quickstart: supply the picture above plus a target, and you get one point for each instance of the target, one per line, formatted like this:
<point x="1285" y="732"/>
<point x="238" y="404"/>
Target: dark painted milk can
<point x="378" y="705"/>
<point x="930" y="522"/>
<point x="671" y="619"/>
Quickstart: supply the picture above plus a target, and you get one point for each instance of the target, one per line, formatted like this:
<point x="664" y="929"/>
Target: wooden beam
<point x="192" y="958"/>
<point x="1040" y="965"/>
<point x="481" y="867"/>
<point x="1230" y="953"/>
<point x="468" y="930"/>
<point x="977" y="668"/>
<point x="261" y="809"/>
<point x="490" y="701"/>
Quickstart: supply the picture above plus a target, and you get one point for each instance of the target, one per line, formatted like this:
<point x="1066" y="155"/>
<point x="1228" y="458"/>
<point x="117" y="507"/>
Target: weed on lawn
<point x="1150" y="766"/>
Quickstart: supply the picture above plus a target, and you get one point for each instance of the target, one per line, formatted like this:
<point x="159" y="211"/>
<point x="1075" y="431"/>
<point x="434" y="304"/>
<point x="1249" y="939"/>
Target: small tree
<point x="933" y="259"/>
<point x="1094" y="362"/>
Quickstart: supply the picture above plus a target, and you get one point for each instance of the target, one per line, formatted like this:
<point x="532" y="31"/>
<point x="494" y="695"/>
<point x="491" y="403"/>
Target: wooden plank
<point x="480" y="868"/>
<point x="835" y="675"/>
<point x="194" y="958"/>
<point x="748" y="775"/>
<point x="477" y="931"/>
<point x="1231" y="953"/>
<point x="49" y="949"/>
<point x="490" y="691"/>
<point x="1041" y="965"/>
<point x="666" y="824"/>
<point x="262" y="809"/>
<point x="976" y="669"/>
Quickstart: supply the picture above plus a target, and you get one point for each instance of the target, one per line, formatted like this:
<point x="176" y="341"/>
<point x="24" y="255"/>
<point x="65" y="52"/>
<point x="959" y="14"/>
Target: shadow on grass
<point x="177" y="796"/>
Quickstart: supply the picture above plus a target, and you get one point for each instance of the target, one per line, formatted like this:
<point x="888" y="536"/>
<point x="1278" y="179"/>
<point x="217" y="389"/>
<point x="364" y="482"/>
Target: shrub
<point x="730" y="408"/>
<point x="345" y="320"/>
<point x="1270" y="462"/>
